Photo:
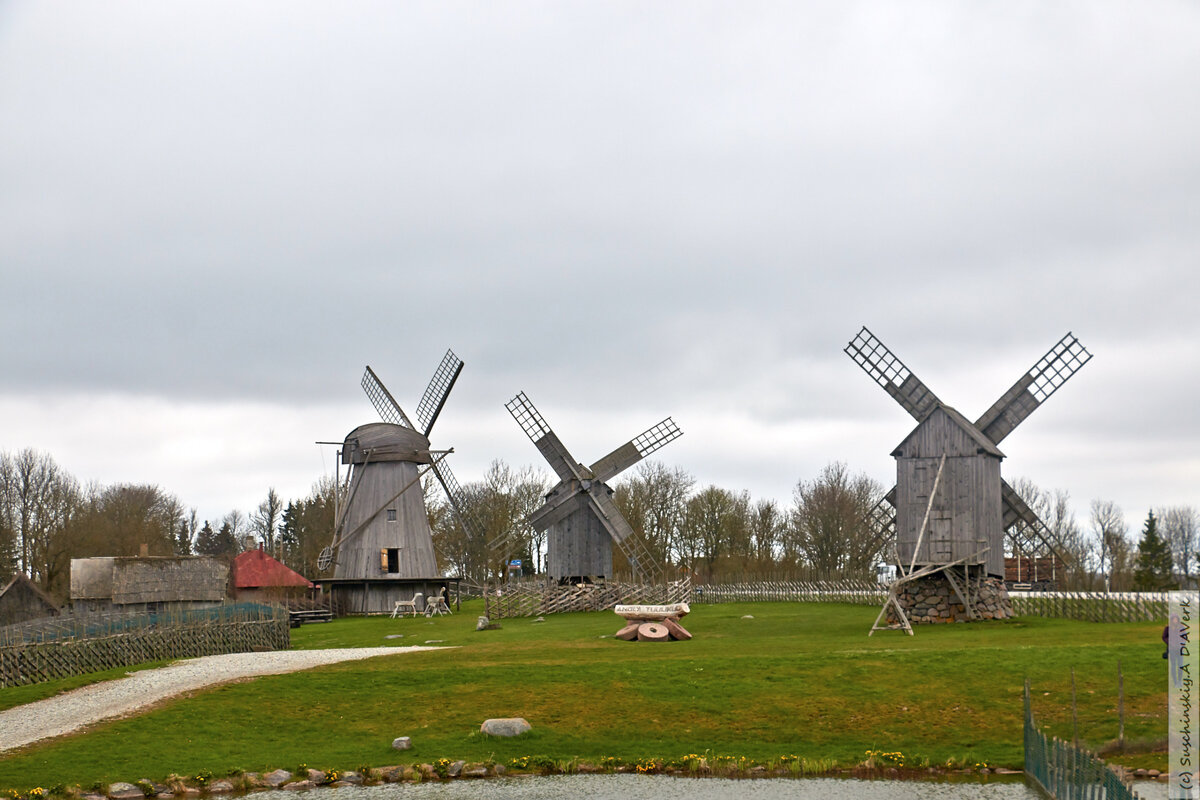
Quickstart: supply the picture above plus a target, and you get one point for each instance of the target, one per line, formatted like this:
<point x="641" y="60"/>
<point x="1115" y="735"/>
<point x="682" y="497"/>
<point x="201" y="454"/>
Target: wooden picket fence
<point x="858" y="592"/>
<point x="1092" y="606"/>
<point x="70" y="646"/>
<point x="533" y="598"/>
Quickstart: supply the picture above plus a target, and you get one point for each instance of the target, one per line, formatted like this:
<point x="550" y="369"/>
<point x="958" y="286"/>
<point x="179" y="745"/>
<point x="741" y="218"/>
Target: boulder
<point x="402" y="743"/>
<point x="277" y="778"/>
<point x="455" y="769"/>
<point x="221" y="786"/>
<point x="482" y="623"/>
<point x="475" y="770"/>
<point x="125" y="791"/>
<point x="505" y="726"/>
<point x="299" y="786"/>
<point x="391" y="774"/>
<point x="353" y="778"/>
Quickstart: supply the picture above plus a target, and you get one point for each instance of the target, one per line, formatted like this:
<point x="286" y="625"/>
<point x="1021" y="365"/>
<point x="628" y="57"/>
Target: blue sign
<point x="516" y="562"/>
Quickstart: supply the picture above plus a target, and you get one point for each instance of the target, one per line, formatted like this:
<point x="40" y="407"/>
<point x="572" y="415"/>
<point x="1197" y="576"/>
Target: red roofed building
<point x="257" y="576"/>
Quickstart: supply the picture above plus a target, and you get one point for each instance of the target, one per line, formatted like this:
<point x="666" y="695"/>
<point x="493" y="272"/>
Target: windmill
<point x="950" y="508"/>
<point x="579" y="515"/>
<point x="383" y="546"/>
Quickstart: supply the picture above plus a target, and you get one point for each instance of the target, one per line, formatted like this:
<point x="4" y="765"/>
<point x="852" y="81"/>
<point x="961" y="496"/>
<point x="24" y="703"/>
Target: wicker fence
<point x="1066" y="771"/>
<point x="66" y="646"/>
<point x="536" y="597"/>
<point x="1093" y="606"/>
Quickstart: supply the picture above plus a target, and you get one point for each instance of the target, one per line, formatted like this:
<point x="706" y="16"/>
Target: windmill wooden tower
<point x="581" y="520"/>
<point x="950" y="509"/>
<point x="383" y="547"/>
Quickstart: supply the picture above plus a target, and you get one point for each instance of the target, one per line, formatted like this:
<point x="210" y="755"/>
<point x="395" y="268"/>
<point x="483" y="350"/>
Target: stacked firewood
<point x="653" y="623"/>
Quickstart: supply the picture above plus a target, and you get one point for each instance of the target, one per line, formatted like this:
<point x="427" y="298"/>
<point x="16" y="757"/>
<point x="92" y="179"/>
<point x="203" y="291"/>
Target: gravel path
<point x="76" y="709"/>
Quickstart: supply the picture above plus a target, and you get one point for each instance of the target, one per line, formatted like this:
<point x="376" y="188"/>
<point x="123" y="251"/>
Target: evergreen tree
<point x="1153" y="571"/>
<point x="206" y="540"/>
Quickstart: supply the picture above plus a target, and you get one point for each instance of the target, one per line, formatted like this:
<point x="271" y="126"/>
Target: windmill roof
<point x="255" y="569"/>
<point x="982" y="442"/>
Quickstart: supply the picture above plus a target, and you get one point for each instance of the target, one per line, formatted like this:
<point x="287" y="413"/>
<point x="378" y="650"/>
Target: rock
<point x="340" y="784"/>
<point x="628" y="633"/>
<point x="499" y="769"/>
<point x="434" y="641"/>
<point x="482" y="623"/>
<point x="394" y="636"/>
<point x="277" y="778"/>
<point x="92" y="796"/>
<point x="747" y="616"/>
<point x="1153" y="773"/>
<point x="427" y="771"/>
<point x="402" y="743"/>
<point x="676" y="630"/>
<point x="540" y="619"/>
<point x="652" y="632"/>
<point x="391" y="774"/>
<point x="125" y="791"/>
<point x="316" y="777"/>
<point x="222" y="786"/>
<point x="455" y="769"/>
<point x="299" y="786"/>
<point x="353" y="778"/>
<point x="505" y="726"/>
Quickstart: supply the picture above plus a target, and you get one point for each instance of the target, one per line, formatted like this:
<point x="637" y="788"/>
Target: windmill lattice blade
<point x="889" y="372"/>
<point x="457" y="498"/>
<point x="551" y="448"/>
<point x="635" y="550"/>
<point x="636" y="449"/>
<point x="389" y="410"/>
<point x="1023" y="524"/>
<point x="438" y="390"/>
<point x="881" y="520"/>
<point x="1034" y="387"/>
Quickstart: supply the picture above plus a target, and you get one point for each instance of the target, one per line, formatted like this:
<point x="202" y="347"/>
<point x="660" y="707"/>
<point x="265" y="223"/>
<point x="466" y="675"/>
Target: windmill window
<point x="391" y="515"/>
<point x="389" y="559"/>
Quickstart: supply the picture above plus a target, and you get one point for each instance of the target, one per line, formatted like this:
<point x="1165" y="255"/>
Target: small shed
<point x="257" y="576"/>
<point x="149" y="584"/>
<point x="965" y="515"/>
<point x="21" y="601"/>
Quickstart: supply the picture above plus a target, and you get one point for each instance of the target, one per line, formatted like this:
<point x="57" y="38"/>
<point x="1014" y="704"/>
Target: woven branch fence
<point x="534" y="598"/>
<point x="79" y="645"/>
<point x="1068" y="772"/>
<point x="1092" y="606"/>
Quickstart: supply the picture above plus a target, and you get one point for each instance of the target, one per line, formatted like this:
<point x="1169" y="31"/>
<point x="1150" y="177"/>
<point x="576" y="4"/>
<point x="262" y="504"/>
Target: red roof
<point x="254" y="569"/>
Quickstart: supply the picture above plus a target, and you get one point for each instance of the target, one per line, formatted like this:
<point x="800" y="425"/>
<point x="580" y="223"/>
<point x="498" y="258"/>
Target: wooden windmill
<point x="579" y="515"/>
<point x="950" y="508"/>
<point x="383" y="547"/>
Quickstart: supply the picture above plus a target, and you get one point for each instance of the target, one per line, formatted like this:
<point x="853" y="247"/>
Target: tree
<point x="1153" y="570"/>
<point x="206" y="541"/>
<point x="767" y="525"/>
<point x="1114" y="556"/>
<point x="1180" y="527"/>
<point x="828" y="521"/>
<point x="306" y="526"/>
<point x="653" y="500"/>
<point x="38" y="504"/>
<point x="186" y="537"/>
<point x="715" y="527"/>
<point x="265" y="521"/>
<point x="119" y="520"/>
<point x="1053" y="508"/>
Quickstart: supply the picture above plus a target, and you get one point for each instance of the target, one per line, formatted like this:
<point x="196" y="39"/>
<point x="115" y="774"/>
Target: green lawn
<point x="797" y="679"/>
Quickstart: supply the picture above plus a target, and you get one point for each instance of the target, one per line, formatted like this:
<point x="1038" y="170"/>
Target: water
<point x="665" y="787"/>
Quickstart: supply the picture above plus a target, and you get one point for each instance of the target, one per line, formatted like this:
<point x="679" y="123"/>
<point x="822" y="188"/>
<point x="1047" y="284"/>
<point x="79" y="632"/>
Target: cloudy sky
<point x="213" y="215"/>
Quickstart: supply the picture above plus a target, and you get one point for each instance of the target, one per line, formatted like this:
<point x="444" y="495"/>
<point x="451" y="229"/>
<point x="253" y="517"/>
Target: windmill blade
<point x="1023" y="523"/>
<point x="1034" y="387"/>
<point x="881" y="520"/>
<point x="457" y="498"/>
<point x="389" y="410"/>
<point x="547" y="442"/>
<point x="555" y="510"/>
<point x="890" y="373"/>
<point x="636" y="449"/>
<point x="623" y="534"/>
<point x="438" y="390"/>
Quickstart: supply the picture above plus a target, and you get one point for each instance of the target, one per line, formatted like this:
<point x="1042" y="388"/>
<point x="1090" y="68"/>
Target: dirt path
<point x="71" y="711"/>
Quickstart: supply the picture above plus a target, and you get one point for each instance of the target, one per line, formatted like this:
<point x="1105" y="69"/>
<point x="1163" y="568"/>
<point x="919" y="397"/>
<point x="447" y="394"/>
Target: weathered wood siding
<point x="966" y="512"/>
<point x="578" y="545"/>
<point x="380" y="596"/>
<point x="409" y="533"/>
<point x="21" y="601"/>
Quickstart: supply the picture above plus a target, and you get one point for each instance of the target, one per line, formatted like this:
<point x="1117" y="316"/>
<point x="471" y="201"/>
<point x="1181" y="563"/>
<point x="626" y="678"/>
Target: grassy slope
<point x="799" y="679"/>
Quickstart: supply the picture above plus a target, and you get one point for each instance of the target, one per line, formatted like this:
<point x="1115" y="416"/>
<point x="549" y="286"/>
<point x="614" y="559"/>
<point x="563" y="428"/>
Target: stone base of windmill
<point x="932" y="600"/>
<point x="652" y="623"/>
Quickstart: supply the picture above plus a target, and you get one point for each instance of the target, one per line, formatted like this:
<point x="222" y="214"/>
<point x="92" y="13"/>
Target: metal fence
<point x="60" y="647"/>
<point x="1066" y="771"/>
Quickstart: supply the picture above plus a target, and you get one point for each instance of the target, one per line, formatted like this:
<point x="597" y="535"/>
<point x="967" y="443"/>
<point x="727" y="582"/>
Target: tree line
<point x="710" y="532"/>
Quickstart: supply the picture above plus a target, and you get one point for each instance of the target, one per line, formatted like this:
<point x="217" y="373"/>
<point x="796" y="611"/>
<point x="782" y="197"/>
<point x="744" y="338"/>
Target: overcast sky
<point x="213" y="215"/>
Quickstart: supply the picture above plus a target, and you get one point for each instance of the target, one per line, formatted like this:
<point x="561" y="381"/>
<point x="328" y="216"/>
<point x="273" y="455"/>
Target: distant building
<point x="21" y="601"/>
<point x="148" y="584"/>
<point x="257" y="576"/>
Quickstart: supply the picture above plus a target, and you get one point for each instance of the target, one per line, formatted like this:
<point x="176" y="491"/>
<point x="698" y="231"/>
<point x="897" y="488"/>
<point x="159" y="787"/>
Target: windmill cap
<point x="382" y="441"/>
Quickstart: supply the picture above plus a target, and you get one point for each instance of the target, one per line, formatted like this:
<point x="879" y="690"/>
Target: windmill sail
<point x="389" y="410"/>
<point x="636" y="449"/>
<point x="551" y="448"/>
<point x="438" y="390"/>
<point x="1034" y="387"/>
<point x="889" y="372"/>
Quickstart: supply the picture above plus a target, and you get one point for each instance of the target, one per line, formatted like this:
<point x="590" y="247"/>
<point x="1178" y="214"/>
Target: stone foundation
<point x="932" y="599"/>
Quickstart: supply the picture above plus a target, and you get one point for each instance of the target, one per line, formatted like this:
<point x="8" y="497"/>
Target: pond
<point x="664" y="787"/>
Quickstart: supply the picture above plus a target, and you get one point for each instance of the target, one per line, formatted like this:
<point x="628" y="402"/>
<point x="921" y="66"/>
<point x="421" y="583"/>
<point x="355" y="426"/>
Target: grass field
<point x="797" y="679"/>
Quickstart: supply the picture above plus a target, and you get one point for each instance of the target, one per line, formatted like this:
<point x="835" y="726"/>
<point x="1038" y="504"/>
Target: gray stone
<point x="222" y="786"/>
<point x="482" y="623"/>
<point x="394" y="636"/>
<point x="277" y="778"/>
<point x="125" y="791"/>
<point x="455" y="769"/>
<point x="505" y="726"/>
<point x="353" y="778"/>
<point x="499" y="769"/>
<point x="391" y="774"/>
<point x="316" y="776"/>
<point x="474" y="770"/>
<point x="402" y="743"/>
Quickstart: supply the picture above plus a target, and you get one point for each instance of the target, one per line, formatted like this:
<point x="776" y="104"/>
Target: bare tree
<point x="1053" y="508"/>
<point x="1113" y="548"/>
<point x="715" y="526"/>
<point x="265" y="521"/>
<point x="38" y="502"/>
<point x="653" y="500"/>
<point x="1180" y="526"/>
<point x="767" y="525"/>
<point x="828" y="524"/>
